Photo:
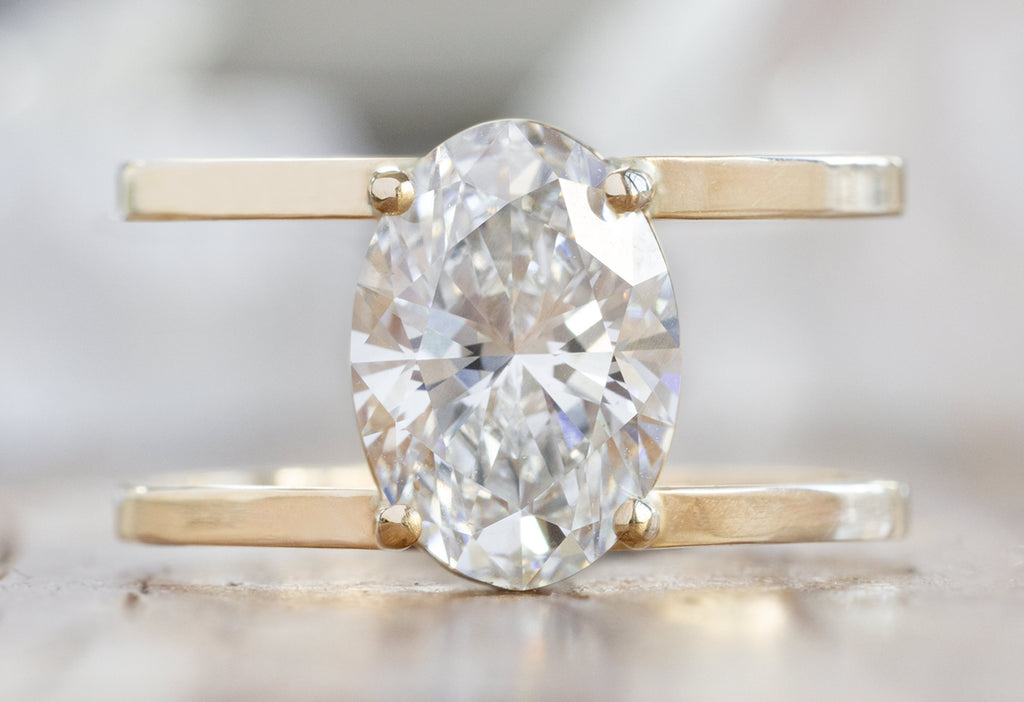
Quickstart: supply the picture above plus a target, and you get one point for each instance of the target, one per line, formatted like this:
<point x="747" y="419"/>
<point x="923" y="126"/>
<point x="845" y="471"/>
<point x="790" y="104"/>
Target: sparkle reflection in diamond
<point x="515" y="355"/>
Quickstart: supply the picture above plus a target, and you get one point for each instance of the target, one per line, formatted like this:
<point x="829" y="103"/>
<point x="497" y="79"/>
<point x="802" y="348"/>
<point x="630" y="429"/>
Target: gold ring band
<point x="337" y="508"/>
<point x="690" y="187"/>
<point x="515" y="355"/>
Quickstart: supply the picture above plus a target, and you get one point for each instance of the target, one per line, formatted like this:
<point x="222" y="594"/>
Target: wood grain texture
<point x="939" y="616"/>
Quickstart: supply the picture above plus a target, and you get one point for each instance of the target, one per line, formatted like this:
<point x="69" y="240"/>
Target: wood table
<point x="939" y="616"/>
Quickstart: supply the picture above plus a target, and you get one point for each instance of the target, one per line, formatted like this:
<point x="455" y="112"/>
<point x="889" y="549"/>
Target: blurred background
<point x="128" y="348"/>
<point x="888" y="344"/>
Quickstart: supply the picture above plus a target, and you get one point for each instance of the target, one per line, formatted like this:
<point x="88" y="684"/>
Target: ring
<point x="515" y="356"/>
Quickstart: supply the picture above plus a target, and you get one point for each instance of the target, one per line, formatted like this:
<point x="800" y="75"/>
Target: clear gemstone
<point x="515" y="355"/>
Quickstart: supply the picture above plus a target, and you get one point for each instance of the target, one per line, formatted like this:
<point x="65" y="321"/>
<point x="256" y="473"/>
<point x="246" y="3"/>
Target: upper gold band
<point x="336" y="508"/>
<point x="685" y="187"/>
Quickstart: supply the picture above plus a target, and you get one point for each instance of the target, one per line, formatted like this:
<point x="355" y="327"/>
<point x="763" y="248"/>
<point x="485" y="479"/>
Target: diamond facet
<point x="515" y="355"/>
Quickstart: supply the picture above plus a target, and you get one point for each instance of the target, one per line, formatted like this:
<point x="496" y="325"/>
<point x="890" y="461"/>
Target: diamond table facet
<point x="515" y="355"/>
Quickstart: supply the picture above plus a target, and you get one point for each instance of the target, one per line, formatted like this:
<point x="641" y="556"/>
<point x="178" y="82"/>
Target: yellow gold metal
<point x="398" y="527"/>
<point x="250" y="516"/>
<point x="685" y="187"/>
<point x="390" y="191"/>
<point x="772" y="187"/>
<point x="627" y="190"/>
<point x="314" y="188"/>
<point x="339" y="508"/>
<point x="636" y="524"/>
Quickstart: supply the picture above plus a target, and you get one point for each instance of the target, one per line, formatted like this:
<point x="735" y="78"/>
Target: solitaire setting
<point x="515" y="357"/>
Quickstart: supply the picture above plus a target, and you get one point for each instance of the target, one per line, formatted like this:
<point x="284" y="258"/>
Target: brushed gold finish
<point x="390" y="191"/>
<point x="398" y="527"/>
<point x="250" y="516"/>
<point x="636" y="524"/>
<point x="627" y="190"/>
<point x="684" y="187"/>
<point x="339" y="508"/>
<point x="782" y="513"/>
<point x="776" y="187"/>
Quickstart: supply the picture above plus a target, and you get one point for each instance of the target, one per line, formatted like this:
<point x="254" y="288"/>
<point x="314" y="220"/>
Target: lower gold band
<point x="336" y="508"/>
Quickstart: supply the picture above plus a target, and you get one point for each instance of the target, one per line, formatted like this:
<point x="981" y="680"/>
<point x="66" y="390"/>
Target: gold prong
<point x="636" y="524"/>
<point x="398" y="527"/>
<point x="391" y="191"/>
<point x="627" y="190"/>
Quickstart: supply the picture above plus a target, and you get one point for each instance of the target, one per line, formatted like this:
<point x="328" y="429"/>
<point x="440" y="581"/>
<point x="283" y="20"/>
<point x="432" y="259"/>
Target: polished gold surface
<point x="636" y="524"/>
<point x="390" y="191"/>
<point x="338" y="508"/>
<point x="398" y="527"/>
<point x="627" y="190"/>
<point x="685" y="187"/>
<point x="250" y="188"/>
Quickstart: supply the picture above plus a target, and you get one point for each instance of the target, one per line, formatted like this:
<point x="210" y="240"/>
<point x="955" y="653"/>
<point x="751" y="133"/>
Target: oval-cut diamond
<point x="515" y="355"/>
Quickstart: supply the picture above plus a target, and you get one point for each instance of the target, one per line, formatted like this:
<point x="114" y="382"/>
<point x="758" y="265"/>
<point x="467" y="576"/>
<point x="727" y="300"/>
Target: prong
<point x="398" y="527"/>
<point x="627" y="190"/>
<point x="636" y="524"/>
<point x="391" y="191"/>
